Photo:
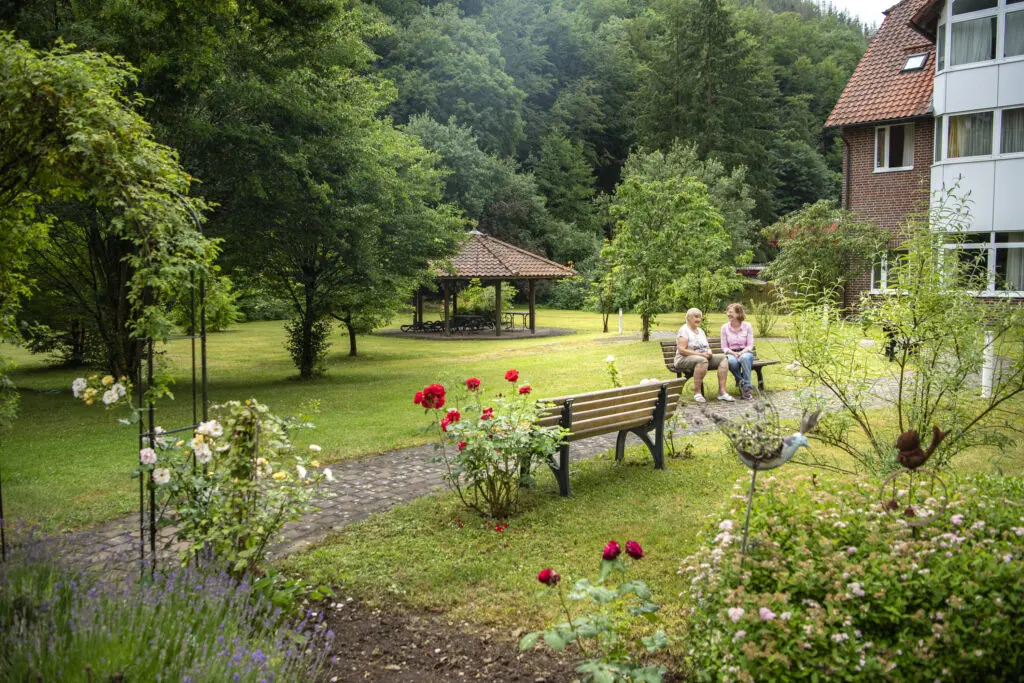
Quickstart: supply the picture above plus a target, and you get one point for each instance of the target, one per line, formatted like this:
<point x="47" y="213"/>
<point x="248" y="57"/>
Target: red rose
<point x="612" y="550"/>
<point x="433" y="397"/>
<point x="418" y="398"/>
<point x="525" y="389"/>
<point x="462" y="444"/>
<point x="488" y="414"/>
<point x="472" y="384"/>
<point x="634" y="550"/>
<point x="549" y="577"/>
<point x="452" y="417"/>
<point x="512" y="375"/>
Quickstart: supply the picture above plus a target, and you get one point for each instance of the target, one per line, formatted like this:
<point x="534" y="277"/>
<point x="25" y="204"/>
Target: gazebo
<point x="490" y="260"/>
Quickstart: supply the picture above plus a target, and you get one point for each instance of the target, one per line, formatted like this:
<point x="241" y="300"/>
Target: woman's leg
<point x="747" y="365"/>
<point x="735" y="369"/>
<point x="698" y="376"/>
<point x="723" y="373"/>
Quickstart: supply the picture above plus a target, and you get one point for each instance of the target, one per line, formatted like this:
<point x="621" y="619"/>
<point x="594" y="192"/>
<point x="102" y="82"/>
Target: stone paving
<point x="371" y="484"/>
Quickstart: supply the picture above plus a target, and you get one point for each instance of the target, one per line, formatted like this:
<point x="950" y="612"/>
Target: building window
<point x="965" y="6"/>
<point x="883" y="274"/>
<point x="1013" y="39"/>
<point x="1013" y="131"/>
<point x="894" y="147"/>
<point x="938" y="139"/>
<point x="969" y="135"/>
<point x="940" y="47"/>
<point x="973" y="41"/>
<point x="915" y="62"/>
<point x="993" y="263"/>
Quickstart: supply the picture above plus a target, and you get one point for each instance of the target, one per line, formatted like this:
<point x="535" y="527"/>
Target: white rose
<point x="161" y="476"/>
<point x="78" y="386"/>
<point x="301" y="470"/>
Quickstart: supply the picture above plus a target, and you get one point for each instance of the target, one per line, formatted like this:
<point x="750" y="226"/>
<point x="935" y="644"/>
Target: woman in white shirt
<point x="693" y="355"/>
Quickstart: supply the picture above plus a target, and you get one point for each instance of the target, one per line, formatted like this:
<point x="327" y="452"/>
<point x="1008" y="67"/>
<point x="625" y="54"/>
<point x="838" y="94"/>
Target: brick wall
<point x="887" y="198"/>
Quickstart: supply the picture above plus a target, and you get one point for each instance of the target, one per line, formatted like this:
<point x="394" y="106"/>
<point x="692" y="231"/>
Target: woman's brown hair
<point x="739" y="311"/>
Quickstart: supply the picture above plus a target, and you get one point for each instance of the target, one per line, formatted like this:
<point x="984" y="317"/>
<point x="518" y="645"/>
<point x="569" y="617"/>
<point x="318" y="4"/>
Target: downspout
<point x="849" y="171"/>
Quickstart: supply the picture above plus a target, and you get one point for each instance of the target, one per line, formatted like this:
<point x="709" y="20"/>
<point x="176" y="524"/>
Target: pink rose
<point x="634" y="550"/>
<point x="612" y="550"/>
<point x="549" y="577"/>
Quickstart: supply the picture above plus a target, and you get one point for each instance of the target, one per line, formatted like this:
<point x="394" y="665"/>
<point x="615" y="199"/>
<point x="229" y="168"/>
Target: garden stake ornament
<point x="760" y="445"/>
<point x="910" y="454"/>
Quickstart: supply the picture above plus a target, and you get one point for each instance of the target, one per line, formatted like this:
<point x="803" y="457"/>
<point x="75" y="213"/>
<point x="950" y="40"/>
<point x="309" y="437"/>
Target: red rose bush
<point x="490" y="446"/>
<point x="603" y="635"/>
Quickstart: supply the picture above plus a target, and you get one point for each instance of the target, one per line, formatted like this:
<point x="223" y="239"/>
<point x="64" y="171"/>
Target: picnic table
<point x="508" y="319"/>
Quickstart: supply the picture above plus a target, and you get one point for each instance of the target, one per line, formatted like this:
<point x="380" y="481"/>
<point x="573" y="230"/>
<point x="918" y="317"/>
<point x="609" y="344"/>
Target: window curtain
<point x="973" y="41"/>
<point x="1013" y="131"/>
<point x="1014" y="270"/>
<point x="1014" y="39"/>
<point x="969" y="135"/>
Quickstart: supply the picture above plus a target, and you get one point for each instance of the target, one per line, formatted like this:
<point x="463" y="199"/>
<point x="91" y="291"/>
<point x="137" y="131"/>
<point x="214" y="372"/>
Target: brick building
<point x="937" y="101"/>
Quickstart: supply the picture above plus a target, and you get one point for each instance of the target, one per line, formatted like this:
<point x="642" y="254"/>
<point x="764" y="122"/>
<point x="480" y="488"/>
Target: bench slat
<point x="613" y="409"/>
<point x="606" y="422"/>
<point x="607" y="393"/>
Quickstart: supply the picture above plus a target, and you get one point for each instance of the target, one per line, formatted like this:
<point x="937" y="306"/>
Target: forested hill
<point x="567" y="88"/>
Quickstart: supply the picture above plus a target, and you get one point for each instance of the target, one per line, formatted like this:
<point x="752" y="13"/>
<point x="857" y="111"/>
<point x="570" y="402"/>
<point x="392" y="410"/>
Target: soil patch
<point x="393" y="645"/>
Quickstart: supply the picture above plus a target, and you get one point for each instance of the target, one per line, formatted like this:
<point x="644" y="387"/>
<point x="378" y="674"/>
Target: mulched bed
<point x="394" y="645"/>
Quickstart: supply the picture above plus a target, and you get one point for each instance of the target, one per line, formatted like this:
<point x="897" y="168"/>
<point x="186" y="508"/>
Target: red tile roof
<point x="483" y="256"/>
<point x="878" y="90"/>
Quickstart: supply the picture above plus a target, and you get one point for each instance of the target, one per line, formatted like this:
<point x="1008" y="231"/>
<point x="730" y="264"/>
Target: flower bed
<point x="835" y="586"/>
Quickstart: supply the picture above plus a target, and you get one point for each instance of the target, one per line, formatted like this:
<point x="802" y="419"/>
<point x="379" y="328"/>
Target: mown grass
<point x="67" y="465"/>
<point x="434" y="554"/>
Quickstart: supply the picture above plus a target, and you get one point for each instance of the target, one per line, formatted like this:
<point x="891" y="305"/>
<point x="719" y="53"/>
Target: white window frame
<point x="997" y="137"/>
<point x="946" y="25"/>
<point x="991" y="245"/>
<point x="882" y="264"/>
<point x="908" y="147"/>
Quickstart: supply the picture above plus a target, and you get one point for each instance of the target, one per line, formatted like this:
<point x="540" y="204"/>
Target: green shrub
<point x="766" y="316"/>
<point x="479" y="300"/>
<point x="837" y="588"/>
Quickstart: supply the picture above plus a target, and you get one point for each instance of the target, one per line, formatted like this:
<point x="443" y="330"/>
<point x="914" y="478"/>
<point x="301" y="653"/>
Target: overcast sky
<point x="869" y="11"/>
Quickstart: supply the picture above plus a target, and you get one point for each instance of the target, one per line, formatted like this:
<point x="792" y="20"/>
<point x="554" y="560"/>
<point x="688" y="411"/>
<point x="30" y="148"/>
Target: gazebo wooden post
<point x="497" y="308"/>
<point x="419" y="306"/>
<point x="447" y="324"/>
<point x="455" y="300"/>
<point x="533" y="307"/>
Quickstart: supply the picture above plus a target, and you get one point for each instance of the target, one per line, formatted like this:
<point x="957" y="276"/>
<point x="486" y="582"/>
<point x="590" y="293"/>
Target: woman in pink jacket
<point x="738" y="345"/>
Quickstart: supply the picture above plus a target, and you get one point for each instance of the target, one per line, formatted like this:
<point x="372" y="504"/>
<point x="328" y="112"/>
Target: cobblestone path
<point x="376" y="483"/>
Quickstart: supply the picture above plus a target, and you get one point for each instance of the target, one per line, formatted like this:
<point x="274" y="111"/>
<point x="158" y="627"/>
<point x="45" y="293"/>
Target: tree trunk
<point x="307" y="356"/>
<point x="351" y="335"/>
<point x="646" y="321"/>
<point x="604" y="321"/>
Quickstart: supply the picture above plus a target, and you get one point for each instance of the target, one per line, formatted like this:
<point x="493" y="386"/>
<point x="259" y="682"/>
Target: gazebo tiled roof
<point x="485" y="257"/>
<point x="879" y="90"/>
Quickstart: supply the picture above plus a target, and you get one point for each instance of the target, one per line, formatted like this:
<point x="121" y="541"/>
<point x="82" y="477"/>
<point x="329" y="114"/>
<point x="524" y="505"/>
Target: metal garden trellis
<point x="144" y="382"/>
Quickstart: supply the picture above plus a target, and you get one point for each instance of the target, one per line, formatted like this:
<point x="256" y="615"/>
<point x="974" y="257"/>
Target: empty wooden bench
<point x="639" y="409"/>
<point x="668" y="350"/>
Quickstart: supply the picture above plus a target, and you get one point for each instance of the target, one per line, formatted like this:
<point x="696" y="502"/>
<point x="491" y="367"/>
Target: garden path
<point x="373" y="484"/>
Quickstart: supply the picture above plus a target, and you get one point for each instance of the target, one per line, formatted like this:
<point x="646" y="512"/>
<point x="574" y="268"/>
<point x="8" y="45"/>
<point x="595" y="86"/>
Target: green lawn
<point x="67" y="465"/>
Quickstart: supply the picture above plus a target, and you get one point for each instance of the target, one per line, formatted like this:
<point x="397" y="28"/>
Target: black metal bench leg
<point x="562" y="472"/>
<point x="620" y="446"/>
<point x="760" y="379"/>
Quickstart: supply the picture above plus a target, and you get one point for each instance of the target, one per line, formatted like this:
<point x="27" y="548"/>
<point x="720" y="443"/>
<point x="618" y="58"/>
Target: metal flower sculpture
<point x="760" y="444"/>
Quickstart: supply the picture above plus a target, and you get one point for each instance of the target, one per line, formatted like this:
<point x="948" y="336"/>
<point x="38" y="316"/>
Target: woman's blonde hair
<point x="739" y="311"/>
<point x="692" y="312"/>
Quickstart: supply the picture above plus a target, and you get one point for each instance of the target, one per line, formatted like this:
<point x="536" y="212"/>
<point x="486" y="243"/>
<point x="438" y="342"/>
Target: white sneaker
<point x="726" y="397"/>
<point x="699" y="399"/>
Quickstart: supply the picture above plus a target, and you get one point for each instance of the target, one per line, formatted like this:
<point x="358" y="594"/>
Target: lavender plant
<point x="64" y="625"/>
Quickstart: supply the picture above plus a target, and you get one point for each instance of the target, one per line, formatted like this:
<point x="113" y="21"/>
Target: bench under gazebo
<point x="491" y="261"/>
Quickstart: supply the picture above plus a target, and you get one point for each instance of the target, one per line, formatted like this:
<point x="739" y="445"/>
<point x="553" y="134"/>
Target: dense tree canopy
<point x="340" y="142"/>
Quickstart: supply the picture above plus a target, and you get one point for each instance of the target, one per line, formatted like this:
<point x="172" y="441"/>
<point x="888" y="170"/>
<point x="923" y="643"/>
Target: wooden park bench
<point x="639" y="409"/>
<point x="668" y="350"/>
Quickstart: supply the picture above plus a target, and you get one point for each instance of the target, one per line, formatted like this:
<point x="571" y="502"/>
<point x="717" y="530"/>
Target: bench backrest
<point x="668" y="350"/>
<point x="612" y="410"/>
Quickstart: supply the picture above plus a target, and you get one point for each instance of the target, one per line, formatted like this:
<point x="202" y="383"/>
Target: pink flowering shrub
<point x="836" y="587"/>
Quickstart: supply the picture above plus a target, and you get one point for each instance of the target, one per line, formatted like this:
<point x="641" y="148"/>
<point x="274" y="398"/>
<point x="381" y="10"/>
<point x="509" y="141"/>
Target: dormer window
<point x="915" y="62"/>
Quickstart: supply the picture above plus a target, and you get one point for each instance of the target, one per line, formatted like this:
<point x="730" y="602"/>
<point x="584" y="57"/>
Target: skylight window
<point x="915" y="62"/>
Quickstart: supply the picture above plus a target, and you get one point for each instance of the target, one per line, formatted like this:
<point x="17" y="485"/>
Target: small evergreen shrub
<point x="478" y="299"/>
<point x="837" y="587"/>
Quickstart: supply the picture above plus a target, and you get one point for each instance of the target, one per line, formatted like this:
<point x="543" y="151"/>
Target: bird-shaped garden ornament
<point x="760" y="444"/>
<point x="908" y="447"/>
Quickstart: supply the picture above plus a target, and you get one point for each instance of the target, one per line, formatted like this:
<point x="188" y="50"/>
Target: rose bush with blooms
<point x="110" y="391"/>
<point x="235" y="484"/>
<point x="603" y="635"/>
<point x="489" y="448"/>
<point x="836" y="587"/>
